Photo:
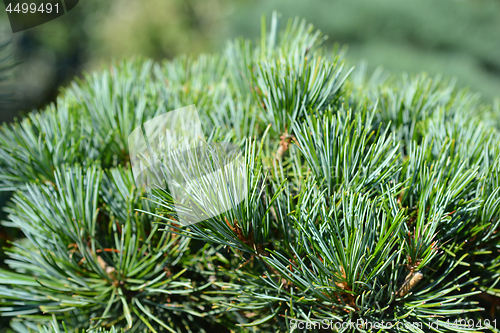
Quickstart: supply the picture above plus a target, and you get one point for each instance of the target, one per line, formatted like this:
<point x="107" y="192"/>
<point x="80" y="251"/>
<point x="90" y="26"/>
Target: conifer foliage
<point x="369" y="199"/>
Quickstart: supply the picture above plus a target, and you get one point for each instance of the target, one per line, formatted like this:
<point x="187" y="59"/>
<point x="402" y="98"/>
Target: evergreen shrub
<point x="369" y="198"/>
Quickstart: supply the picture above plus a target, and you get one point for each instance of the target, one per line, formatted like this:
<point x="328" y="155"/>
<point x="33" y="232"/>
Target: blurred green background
<point x="454" y="38"/>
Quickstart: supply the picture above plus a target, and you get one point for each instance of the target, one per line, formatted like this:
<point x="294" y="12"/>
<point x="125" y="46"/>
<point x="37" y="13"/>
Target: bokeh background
<point x="455" y="38"/>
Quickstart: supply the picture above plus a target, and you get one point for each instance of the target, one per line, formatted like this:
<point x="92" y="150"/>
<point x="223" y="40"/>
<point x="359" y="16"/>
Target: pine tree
<point x="371" y="199"/>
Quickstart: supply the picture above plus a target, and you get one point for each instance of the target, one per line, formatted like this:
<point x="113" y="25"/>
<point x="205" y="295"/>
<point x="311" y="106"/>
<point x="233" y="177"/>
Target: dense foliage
<point x="369" y="198"/>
